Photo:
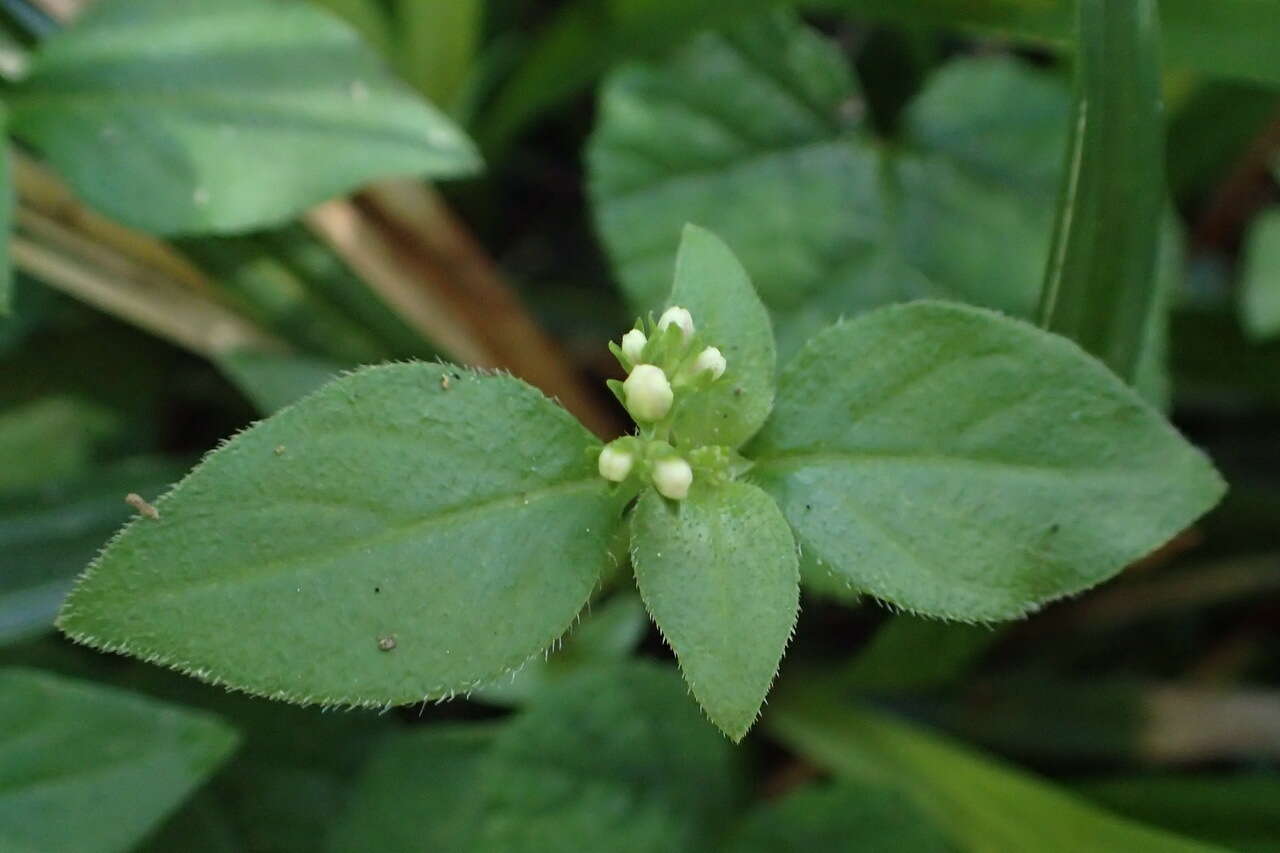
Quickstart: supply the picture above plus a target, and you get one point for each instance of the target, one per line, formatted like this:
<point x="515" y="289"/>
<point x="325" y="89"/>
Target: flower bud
<point x="710" y="359"/>
<point x="616" y="463"/>
<point x="633" y="344"/>
<point x="672" y="477"/>
<point x="648" y="393"/>
<point x="680" y="317"/>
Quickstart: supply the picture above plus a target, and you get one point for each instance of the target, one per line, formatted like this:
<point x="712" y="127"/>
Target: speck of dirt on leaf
<point x="444" y="382"/>
<point x="279" y="451"/>
<point x="386" y="643"/>
<point x="144" y="509"/>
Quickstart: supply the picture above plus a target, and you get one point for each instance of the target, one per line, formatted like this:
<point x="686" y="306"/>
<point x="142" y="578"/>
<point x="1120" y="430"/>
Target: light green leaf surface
<point x="90" y="769"/>
<point x="1101" y="287"/>
<point x="985" y="806"/>
<point x="185" y="116"/>
<point x="755" y="133"/>
<point x="615" y="758"/>
<point x="463" y="521"/>
<point x="841" y="816"/>
<point x="719" y="574"/>
<point x="713" y="286"/>
<point x="1260" y="286"/>
<point x="47" y="536"/>
<point x="963" y="465"/>
<point x="416" y="793"/>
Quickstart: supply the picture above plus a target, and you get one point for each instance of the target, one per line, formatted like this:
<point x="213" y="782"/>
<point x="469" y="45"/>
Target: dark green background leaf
<point x="187" y="116"/>
<point x="90" y="769"/>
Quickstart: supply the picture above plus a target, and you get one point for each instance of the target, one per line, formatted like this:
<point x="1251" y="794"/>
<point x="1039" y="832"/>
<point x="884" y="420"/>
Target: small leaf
<point x="408" y="531"/>
<point x="185" y="116"/>
<point x="611" y="758"/>
<point x="711" y="284"/>
<point x="1260" y="288"/>
<point x="832" y="817"/>
<point x="90" y="769"/>
<point x="963" y="465"/>
<point x="719" y="574"/>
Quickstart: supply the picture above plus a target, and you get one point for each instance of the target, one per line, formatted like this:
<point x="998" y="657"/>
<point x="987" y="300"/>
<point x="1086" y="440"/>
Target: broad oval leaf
<point x="719" y="574"/>
<point x="960" y="464"/>
<point x="711" y="283"/>
<point x="406" y="532"/>
<point x="188" y="116"/>
<point x="92" y="769"/>
<point x="756" y="134"/>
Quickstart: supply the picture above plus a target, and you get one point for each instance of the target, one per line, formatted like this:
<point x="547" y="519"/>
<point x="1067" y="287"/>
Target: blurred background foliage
<point x="180" y="269"/>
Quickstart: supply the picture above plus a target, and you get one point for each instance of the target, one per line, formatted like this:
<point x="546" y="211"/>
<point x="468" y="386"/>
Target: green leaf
<point x="833" y="817"/>
<point x="711" y="283"/>
<point x="49" y="439"/>
<point x="184" y="116"/>
<point x="1101" y="288"/>
<point x="964" y="465"/>
<point x="48" y="535"/>
<point x="85" y="768"/>
<point x="613" y="758"/>
<point x="755" y="133"/>
<point x="457" y="517"/>
<point x="985" y="806"/>
<point x="719" y="574"/>
<point x="416" y="792"/>
<point x="1260" y="286"/>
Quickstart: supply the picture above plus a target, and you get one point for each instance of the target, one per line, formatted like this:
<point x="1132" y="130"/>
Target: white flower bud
<point x="633" y="344"/>
<point x="615" y="463"/>
<point x="648" y="393"/>
<point x="672" y="477"/>
<point x="679" y="316"/>
<point x="710" y="359"/>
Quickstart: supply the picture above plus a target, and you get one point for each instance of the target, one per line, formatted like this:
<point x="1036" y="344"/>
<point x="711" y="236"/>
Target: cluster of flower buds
<point x="663" y="361"/>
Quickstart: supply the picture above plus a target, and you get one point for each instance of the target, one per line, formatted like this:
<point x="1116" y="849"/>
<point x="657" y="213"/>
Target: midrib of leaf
<point x="393" y="534"/>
